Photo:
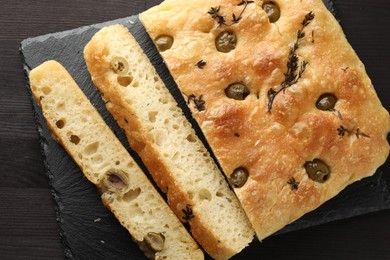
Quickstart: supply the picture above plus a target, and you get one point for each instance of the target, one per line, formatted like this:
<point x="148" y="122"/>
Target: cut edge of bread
<point x="124" y="188"/>
<point x="159" y="132"/>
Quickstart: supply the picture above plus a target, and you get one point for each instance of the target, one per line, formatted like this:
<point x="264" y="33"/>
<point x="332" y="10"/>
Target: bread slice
<point x="166" y="142"/>
<point x="286" y="101"/>
<point x="125" y="189"/>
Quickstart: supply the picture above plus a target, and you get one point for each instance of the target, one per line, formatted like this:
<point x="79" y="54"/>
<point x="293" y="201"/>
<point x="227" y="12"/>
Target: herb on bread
<point x="216" y="15"/>
<point x="343" y="130"/>
<point x="295" y="69"/>
<point x="294" y="184"/>
<point x="199" y="102"/>
<point x="345" y="69"/>
<point x="200" y="64"/>
<point x="188" y="214"/>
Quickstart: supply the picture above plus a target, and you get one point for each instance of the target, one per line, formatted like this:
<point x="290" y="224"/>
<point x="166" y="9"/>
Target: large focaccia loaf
<point x="125" y="189"/>
<point x="284" y="101"/>
<point x="157" y="129"/>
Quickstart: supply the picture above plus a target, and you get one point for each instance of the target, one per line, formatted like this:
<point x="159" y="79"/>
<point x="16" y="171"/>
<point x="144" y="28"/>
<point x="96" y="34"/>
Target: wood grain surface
<point x="28" y="228"/>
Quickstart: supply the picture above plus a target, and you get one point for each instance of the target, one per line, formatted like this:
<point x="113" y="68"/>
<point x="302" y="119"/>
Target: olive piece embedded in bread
<point x="326" y="102"/>
<point x="239" y="177"/>
<point x="115" y="181"/>
<point x="120" y="65"/>
<point x="317" y="170"/>
<point x="272" y="10"/>
<point x="155" y="241"/>
<point x="226" y="41"/>
<point x="164" y="42"/>
<point x="237" y="91"/>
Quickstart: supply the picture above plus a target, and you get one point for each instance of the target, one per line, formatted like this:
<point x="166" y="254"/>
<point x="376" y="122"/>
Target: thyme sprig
<point x="343" y="131"/>
<point x="216" y="15"/>
<point x="295" y="69"/>
<point x="199" y="102"/>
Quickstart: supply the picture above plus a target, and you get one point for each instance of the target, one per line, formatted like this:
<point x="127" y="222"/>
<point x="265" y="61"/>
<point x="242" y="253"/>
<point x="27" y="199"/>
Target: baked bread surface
<point x="274" y="145"/>
<point x="125" y="189"/>
<point x="159" y="132"/>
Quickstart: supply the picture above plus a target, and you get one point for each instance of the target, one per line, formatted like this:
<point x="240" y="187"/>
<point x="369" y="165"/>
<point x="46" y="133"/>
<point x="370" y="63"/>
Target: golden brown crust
<point x="275" y="145"/>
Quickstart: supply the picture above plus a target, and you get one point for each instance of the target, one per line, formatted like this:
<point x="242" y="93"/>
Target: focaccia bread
<point x="282" y="98"/>
<point x="159" y="132"/>
<point x="125" y="189"/>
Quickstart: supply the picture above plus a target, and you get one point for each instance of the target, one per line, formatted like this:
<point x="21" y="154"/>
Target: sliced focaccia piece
<point x="287" y="106"/>
<point x="125" y="189"/>
<point x="159" y="132"/>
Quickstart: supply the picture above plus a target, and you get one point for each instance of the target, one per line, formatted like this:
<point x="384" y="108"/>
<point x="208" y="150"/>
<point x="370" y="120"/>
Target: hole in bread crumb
<point x="166" y="121"/>
<point x="98" y="159"/>
<point x="219" y="194"/>
<point x="131" y="195"/>
<point x="175" y="156"/>
<point x="60" y="123"/>
<point x="46" y="90"/>
<point x="152" y="116"/>
<point x="117" y="162"/>
<point x="204" y="194"/>
<point x="80" y="155"/>
<point x="159" y="138"/>
<point x="124" y="80"/>
<point x="74" y="139"/>
<point x="91" y="148"/>
<point x="191" y="138"/>
<point x="163" y="100"/>
<point x="60" y="106"/>
<point x="155" y="79"/>
<point x="175" y="126"/>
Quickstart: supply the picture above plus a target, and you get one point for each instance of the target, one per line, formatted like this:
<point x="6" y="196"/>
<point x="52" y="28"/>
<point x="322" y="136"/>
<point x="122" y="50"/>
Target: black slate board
<point x="90" y="231"/>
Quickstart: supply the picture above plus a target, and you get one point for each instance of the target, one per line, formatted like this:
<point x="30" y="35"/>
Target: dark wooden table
<point x="28" y="228"/>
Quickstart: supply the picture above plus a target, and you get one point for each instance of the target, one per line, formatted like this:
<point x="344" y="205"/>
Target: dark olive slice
<point x="155" y="241"/>
<point x="115" y="181"/>
<point x="226" y="41"/>
<point x="326" y="102"/>
<point x="317" y="170"/>
<point x="237" y="91"/>
<point x="239" y="177"/>
<point x="164" y="42"/>
<point x="272" y="10"/>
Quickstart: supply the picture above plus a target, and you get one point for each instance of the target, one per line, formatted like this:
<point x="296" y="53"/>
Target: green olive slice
<point x="237" y="91"/>
<point x="155" y="241"/>
<point x="239" y="177"/>
<point x="326" y="102"/>
<point x="317" y="170"/>
<point x="164" y="42"/>
<point x="226" y="41"/>
<point x="272" y="10"/>
<point x="119" y="65"/>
